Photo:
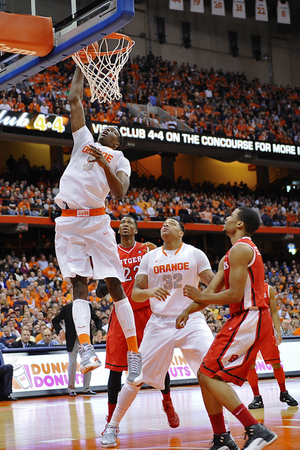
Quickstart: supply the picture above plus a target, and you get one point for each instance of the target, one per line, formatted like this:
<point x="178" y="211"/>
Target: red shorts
<point x="116" y="345"/>
<point x="235" y="347"/>
<point x="270" y="352"/>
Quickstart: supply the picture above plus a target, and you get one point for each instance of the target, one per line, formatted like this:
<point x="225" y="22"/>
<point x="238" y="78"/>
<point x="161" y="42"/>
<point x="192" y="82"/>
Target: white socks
<point x="126" y="397"/>
<point x="125" y="317"/>
<point x="82" y="316"/>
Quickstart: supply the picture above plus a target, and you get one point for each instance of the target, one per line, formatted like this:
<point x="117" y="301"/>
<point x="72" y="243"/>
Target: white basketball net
<point x="104" y="65"/>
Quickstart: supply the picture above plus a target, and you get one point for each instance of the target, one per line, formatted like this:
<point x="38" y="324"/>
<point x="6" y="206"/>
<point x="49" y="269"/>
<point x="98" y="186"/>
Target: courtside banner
<point x="40" y="372"/>
<point x="289" y="363"/>
<point x="36" y="373"/>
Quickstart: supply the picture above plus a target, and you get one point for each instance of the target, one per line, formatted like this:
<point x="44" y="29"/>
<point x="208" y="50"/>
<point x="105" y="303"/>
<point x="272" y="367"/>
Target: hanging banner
<point x="283" y="12"/>
<point x="217" y="7"/>
<point x="239" y="9"/>
<point x="197" y="6"/>
<point x="176" y="4"/>
<point x="261" y="11"/>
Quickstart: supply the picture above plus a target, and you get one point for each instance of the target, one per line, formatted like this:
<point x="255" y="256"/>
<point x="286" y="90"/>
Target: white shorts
<point x="80" y="239"/>
<point x="160" y="339"/>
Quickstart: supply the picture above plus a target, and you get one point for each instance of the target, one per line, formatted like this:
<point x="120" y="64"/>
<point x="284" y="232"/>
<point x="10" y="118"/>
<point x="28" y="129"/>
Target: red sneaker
<point x="172" y="415"/>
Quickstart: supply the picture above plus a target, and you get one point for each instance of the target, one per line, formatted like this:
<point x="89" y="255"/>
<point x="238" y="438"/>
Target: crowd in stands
<point x="20" y="198"/>
<point x="155" y="200"/>
<point x="32" y="292"/>
<point x="208" y="101"/>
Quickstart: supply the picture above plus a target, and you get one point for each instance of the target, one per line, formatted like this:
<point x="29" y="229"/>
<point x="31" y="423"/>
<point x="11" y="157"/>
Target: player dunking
<point x="161" y="276"/>
<point x="270" y="354"/>
<point x="241" y="272"/>
<point x="85" y="243"/>
<point x="131" y="254"/>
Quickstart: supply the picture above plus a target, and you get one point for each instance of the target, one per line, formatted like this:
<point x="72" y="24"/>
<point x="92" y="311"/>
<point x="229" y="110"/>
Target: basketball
<point x="91" y="50"/>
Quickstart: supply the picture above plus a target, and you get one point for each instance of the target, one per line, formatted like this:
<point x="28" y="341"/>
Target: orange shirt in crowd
<point x="50" y="272"/>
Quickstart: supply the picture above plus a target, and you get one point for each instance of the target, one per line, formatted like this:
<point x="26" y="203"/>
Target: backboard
<point x="74" y="29"/>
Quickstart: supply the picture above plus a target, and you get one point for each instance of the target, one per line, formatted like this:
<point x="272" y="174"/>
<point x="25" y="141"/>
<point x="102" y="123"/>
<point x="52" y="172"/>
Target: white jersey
<point x="172" y="270"/>
<point x="84" y="184"/>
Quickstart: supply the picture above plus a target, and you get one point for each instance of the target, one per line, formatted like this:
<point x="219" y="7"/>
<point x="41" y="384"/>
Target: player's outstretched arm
<point x="215" y="283"/>
<point x="75" y="98"/>
<point x="239" y="258"/>
<point x="140" y="293"/>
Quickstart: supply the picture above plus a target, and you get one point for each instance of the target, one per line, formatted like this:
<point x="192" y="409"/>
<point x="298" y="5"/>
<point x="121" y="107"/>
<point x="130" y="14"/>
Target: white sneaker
<point x="89" y="359"/>
<point x="109" y="436"/>
<point x="135" y="373"/>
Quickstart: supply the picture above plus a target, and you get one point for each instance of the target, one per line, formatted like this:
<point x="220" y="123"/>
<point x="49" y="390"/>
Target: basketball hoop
<point x="101" y="65"/>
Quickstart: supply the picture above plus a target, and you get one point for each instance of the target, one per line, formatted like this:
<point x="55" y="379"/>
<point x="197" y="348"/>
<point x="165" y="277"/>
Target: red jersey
<point x="267" y="294"/>
<point x="255" y="286"/>
<point x="131" y="259"/>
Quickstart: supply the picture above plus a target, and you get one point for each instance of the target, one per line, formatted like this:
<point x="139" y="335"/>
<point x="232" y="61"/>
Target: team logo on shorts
<point x="233" y="358"/>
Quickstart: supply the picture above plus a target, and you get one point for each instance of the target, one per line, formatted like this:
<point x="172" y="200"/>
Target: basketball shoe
<point x="89" y="359"/>
<point x="223" y="441"/>
<point x="259" y="437"/>
<point x="287" y="398"/>
<point x="256" y="403"/>
<point x="135" y="374"/>
<point x="109" y="436"/>
<point x="172" y="415"/>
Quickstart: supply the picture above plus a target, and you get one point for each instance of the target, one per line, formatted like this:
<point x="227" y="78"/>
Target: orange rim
<point x="119" y="50"/>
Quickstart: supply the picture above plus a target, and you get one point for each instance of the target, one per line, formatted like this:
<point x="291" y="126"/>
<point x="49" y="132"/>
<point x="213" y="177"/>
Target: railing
<point x="140" y="169"/>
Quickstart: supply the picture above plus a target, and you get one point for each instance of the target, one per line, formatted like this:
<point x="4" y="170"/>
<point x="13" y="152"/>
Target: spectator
<point x="138" y="210"/>
<point x="47" y="340"/>
<point x="8" y="337"/>
<point x="20" y="302"/>
<point x="24" y="341"/>
<point x="286" y="328"/>
<point x="266" y="219"/>
<point x="206" y="215"/>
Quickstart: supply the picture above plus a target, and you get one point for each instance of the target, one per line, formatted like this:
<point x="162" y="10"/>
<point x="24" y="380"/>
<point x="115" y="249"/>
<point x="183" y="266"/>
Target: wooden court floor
<point x="76" y="423"/>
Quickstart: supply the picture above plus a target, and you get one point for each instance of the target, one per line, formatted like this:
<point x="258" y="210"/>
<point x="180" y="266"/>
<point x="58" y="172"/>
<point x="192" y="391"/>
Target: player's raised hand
<point x="159" y="293"/>
<point x="98" y="155"/>
<point x="192" y="292"/>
